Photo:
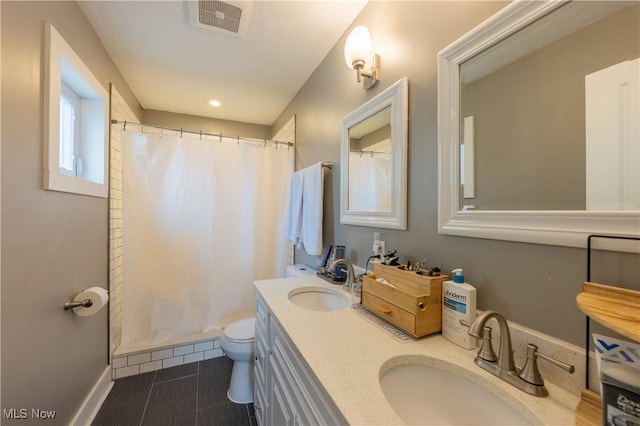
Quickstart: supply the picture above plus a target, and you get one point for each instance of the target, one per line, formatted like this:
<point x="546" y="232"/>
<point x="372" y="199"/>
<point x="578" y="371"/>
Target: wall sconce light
<point x="357" y="51"/>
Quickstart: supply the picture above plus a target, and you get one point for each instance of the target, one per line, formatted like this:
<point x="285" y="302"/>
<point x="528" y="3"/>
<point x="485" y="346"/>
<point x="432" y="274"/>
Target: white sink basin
<point x="318" y="298"/>
<point x="421" y="393"/>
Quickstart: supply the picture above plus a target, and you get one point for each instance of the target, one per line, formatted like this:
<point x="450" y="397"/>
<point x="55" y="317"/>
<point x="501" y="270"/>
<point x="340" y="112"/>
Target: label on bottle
<point x="455" y="301"/>
<point x="457" y="304"/>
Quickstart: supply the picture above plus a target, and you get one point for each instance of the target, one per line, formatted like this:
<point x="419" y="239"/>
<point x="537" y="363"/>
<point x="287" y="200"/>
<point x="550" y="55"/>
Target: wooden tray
<point x="412" y="302"/>
<point x="614" y="307"/>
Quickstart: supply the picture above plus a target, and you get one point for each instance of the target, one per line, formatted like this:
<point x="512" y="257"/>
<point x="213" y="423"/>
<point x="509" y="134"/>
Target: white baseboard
<point x="94" y="400"/>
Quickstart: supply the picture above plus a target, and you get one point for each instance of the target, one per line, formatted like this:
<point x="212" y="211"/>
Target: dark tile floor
<point x="191" y="394"/>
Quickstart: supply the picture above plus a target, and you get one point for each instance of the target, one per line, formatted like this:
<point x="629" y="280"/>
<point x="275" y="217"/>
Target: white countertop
<point x="345" y="351"/>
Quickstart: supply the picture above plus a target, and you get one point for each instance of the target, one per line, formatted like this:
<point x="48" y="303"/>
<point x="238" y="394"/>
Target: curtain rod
<point x="201" y="133"/>
<point x="363" y="152"/>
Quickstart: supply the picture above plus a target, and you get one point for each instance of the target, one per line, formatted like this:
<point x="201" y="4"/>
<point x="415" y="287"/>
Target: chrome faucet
<point x="528" y="379"/>
<point x="505" y="363"/>
<point x="350" y="273"/>
<point x="351" y="286"/>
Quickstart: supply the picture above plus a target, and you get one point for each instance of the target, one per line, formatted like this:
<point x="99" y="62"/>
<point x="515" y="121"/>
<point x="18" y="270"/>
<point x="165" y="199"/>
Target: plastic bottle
<point x="458" y="303"/>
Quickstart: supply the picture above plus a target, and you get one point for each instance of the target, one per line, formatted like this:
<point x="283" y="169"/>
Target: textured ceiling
<point x="173" y="66"/>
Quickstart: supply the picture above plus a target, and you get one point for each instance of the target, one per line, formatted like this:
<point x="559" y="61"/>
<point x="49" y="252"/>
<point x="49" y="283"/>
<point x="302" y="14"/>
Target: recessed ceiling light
<point x="215" y="103"/>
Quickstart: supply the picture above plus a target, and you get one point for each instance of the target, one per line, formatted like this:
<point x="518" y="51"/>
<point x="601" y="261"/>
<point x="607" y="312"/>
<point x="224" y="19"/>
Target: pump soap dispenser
<point x="458" y="303"/>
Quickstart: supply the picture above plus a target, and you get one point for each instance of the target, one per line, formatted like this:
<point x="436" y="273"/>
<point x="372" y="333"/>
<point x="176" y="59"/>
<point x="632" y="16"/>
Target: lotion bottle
<point x="458" y="303"/>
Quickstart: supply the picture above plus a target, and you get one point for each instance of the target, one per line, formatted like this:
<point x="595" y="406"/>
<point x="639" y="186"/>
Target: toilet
<point x="238" y="343"/>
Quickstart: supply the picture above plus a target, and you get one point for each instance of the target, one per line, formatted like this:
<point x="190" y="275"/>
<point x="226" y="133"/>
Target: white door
<point x="613" y="137"/>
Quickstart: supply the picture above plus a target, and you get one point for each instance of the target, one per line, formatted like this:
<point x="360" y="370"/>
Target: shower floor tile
<point x="190" y="394"/>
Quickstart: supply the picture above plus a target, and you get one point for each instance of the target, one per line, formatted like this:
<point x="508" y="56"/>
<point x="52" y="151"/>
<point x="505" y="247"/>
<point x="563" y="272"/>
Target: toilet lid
<point x="241" y="330"/>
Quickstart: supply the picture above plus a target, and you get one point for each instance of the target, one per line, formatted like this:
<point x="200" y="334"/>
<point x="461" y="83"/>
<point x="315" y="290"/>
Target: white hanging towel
<point x="304" y="221"/>
<point x="294" y="212"/>
<point x="312" y="208"/>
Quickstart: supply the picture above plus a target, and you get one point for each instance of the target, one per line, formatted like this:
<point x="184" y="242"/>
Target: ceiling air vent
<point x="226" y="17"/>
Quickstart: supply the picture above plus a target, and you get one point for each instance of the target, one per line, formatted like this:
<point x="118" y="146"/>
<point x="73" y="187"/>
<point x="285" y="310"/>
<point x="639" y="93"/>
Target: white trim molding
<point x="62" y="64"/>
<point x="92" y="403"/>
<point x="395" y="97"/>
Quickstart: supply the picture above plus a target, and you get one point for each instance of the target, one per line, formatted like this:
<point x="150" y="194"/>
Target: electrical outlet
<point x="378" y="244"/>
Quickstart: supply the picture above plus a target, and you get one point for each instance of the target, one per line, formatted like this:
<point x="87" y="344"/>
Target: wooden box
<point x="412" y="302"/>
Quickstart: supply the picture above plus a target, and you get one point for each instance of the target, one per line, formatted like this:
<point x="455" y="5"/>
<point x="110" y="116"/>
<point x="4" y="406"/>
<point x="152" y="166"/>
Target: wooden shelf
<point x="617" y="309"/>
<point x="589" y="411"/>
<point x="614" y="307"/>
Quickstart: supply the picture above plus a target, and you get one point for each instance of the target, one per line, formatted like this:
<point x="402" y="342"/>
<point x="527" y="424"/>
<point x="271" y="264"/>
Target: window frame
<point x="62" y="65"/>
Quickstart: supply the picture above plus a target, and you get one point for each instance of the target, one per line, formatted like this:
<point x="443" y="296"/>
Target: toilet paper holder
<point x="92" y="299"/>
<point x="86" y="303"/>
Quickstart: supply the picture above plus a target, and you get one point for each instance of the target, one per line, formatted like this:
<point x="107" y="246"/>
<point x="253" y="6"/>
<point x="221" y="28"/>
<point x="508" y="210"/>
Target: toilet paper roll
<point x="99" y="297"/>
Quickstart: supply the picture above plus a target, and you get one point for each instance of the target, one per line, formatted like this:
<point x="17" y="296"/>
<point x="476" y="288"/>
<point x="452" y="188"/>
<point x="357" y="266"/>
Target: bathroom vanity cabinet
<point x="324" y="367"/>
<point x="260" y="360"/>
<point x="285" y="392"/>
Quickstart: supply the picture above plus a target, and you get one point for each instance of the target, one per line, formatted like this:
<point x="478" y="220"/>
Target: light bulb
<point x="357" y="46"/>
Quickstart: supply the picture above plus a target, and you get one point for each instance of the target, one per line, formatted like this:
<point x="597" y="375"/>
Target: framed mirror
<point x="529" y="146"/>
<point x="373" y="182"/>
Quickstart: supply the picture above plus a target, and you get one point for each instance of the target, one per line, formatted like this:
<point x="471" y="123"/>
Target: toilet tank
<point x="299" y="270"/>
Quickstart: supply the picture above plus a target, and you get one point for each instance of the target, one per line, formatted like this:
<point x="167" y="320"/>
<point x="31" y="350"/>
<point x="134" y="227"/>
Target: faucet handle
<point x="486" y="351"/>
<point x="566" y="367"/>
<point x="530" y="372"/>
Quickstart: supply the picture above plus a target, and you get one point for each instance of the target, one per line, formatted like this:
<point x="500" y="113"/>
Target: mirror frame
<point x="569" y="228"/>
<point x="395" y="96"/>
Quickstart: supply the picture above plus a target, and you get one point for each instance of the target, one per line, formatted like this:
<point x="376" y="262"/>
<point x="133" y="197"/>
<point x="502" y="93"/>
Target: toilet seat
<point x="242" y="331"/>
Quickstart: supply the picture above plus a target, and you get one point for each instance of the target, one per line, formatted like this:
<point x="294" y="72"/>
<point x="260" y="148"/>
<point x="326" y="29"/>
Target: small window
<point x="76" y="123"/>
<point x="69" y="131"/>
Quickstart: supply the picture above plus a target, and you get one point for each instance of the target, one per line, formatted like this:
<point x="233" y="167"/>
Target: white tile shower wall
<point x="119" y="111"/>
<point x="157" y="359"/>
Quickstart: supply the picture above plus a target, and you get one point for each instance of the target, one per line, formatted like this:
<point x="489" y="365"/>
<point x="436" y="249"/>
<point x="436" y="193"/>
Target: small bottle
<point x="458" y="303"/>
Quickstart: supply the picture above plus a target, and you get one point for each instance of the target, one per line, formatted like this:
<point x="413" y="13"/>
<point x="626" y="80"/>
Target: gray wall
<point x="534" y="285"/>
<point x="531" y="115"/>
<point x="53" y="244"/>
<point x="206" y="124"/>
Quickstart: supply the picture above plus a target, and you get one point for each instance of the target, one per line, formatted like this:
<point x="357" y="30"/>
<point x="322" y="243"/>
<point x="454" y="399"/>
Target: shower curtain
<point x="370" y="182"/>
<point x="202" y="221"/>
